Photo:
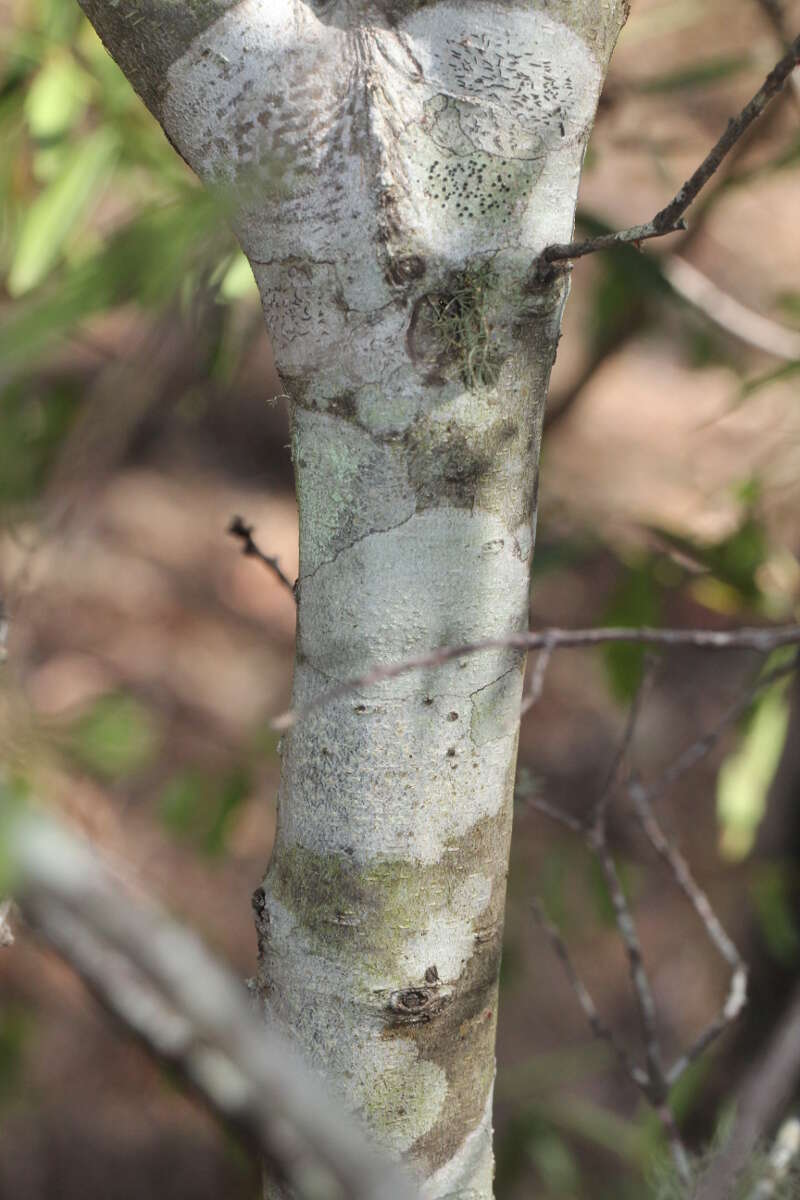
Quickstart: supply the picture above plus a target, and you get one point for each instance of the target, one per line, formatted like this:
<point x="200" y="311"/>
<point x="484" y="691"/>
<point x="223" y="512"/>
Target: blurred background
<point x="139" y="410"/>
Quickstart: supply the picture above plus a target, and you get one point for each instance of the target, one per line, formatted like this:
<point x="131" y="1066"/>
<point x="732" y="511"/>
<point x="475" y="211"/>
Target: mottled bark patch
<point x="459" y="1035"/>
<point x="147" y="36"/>
<point x="368" y="913"/>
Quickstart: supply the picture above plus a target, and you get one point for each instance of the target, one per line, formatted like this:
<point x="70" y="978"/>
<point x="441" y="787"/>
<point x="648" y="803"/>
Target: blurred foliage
<point x="115" y="738"/>
<point x="699" y="74"/>
<point x="201" y="808"/>
<point x="635" y="601"/>
<point x="16" y="1026"/>
<point x="774" y="891"/>
<point x="97" y="213"/>
<point x="746" y="775"/>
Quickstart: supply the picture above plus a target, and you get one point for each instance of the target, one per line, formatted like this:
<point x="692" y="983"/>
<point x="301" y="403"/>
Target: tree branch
<point x="239" y="528"/>
<point x="670" y="218"/>
<point x="189" y="1010"/>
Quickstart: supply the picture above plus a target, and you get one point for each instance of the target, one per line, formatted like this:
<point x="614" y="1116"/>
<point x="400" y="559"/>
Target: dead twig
<point x="655" y="1080"/>
<point x="239" y="528"/>
<point x="763" y="640"/>
<point x="534" y="692"/>
<point x="728" y="313"/>
<point x="599" y="1028"/>
<point x="681" y="873"/>
<point x="670" y="218"/>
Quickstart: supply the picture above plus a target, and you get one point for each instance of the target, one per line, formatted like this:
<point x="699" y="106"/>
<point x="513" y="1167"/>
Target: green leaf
<point x="635" y="602"/>
<point x="745" y="776"/>
<point x="145" y="262"/>
<point x="237" y="281"/>
<point x="116" y="738"/>
<point x="774" y="901"/>
<point x="56" y="210"/>
<point x="57" y="98"/>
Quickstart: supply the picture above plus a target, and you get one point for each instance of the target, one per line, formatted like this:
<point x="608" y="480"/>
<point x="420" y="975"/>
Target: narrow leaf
<point x="56" y="210"/>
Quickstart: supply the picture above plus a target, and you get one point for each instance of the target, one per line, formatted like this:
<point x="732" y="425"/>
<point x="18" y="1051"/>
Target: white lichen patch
<point x="447" y="936"/>
<point x="336" y="454"/>
<point x="337" y="1018"/>
<point x="267" y="103"/>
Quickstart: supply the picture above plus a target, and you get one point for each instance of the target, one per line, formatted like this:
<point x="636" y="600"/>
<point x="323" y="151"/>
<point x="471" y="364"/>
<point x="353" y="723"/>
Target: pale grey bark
<point x="394" y="168"/>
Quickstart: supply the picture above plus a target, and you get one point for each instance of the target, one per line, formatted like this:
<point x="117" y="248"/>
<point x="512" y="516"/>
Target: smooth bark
<point x="394" y="168"/>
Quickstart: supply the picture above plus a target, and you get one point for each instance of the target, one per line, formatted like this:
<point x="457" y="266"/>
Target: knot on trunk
<point x="412" y="1006"/>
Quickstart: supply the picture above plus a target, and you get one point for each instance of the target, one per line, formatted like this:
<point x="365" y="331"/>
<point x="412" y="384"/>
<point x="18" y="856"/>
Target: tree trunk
<point x="394" y="168"/>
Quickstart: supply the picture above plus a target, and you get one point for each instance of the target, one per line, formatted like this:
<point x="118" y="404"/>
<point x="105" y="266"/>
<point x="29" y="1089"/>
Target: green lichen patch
<point x="369" y="913"/>
<point x="460" y="1039"/>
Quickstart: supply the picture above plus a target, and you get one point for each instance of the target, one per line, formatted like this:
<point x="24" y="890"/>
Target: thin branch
<point x="655" y="1081"/>
<point x="670" y="218"/>
<point x="737" y="991"/>
<point x="3" y="634"/>
<point x="729" y="314"/>
<point x="558" y="815"/>
<point x="763" y="640"/>
<point x="595" y="1021"/>
<point x="239" y="528"/>
<point x="702" y="746"/>
<point x="6" y="932"/>
<point x="534" y="692"/>
<point x="640" y="982"/>
<point x="189" y="1010"/>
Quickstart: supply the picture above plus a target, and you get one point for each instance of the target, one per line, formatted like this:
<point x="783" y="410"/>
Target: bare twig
<point x="643" y="994"/>
<point x="737" y="992"/>
<point x="728" y="313"/>
<point x="596" y="1023"/>
<point x="6" y="932"/>
<point x="702" y="746"/>
<point x="534" y="692"/>
<point x="190" y="1011"/>
<point x="239" y="528"/>
<point x="670" y="218"/>
<point x="655" y="1081"/>
<point x="573" y="824"/>
<point x="763" y="640"/>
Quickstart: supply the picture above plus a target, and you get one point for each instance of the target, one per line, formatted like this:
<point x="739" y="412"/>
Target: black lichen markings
<point x="494" y="66"/>
<point x="475" y="187"/>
